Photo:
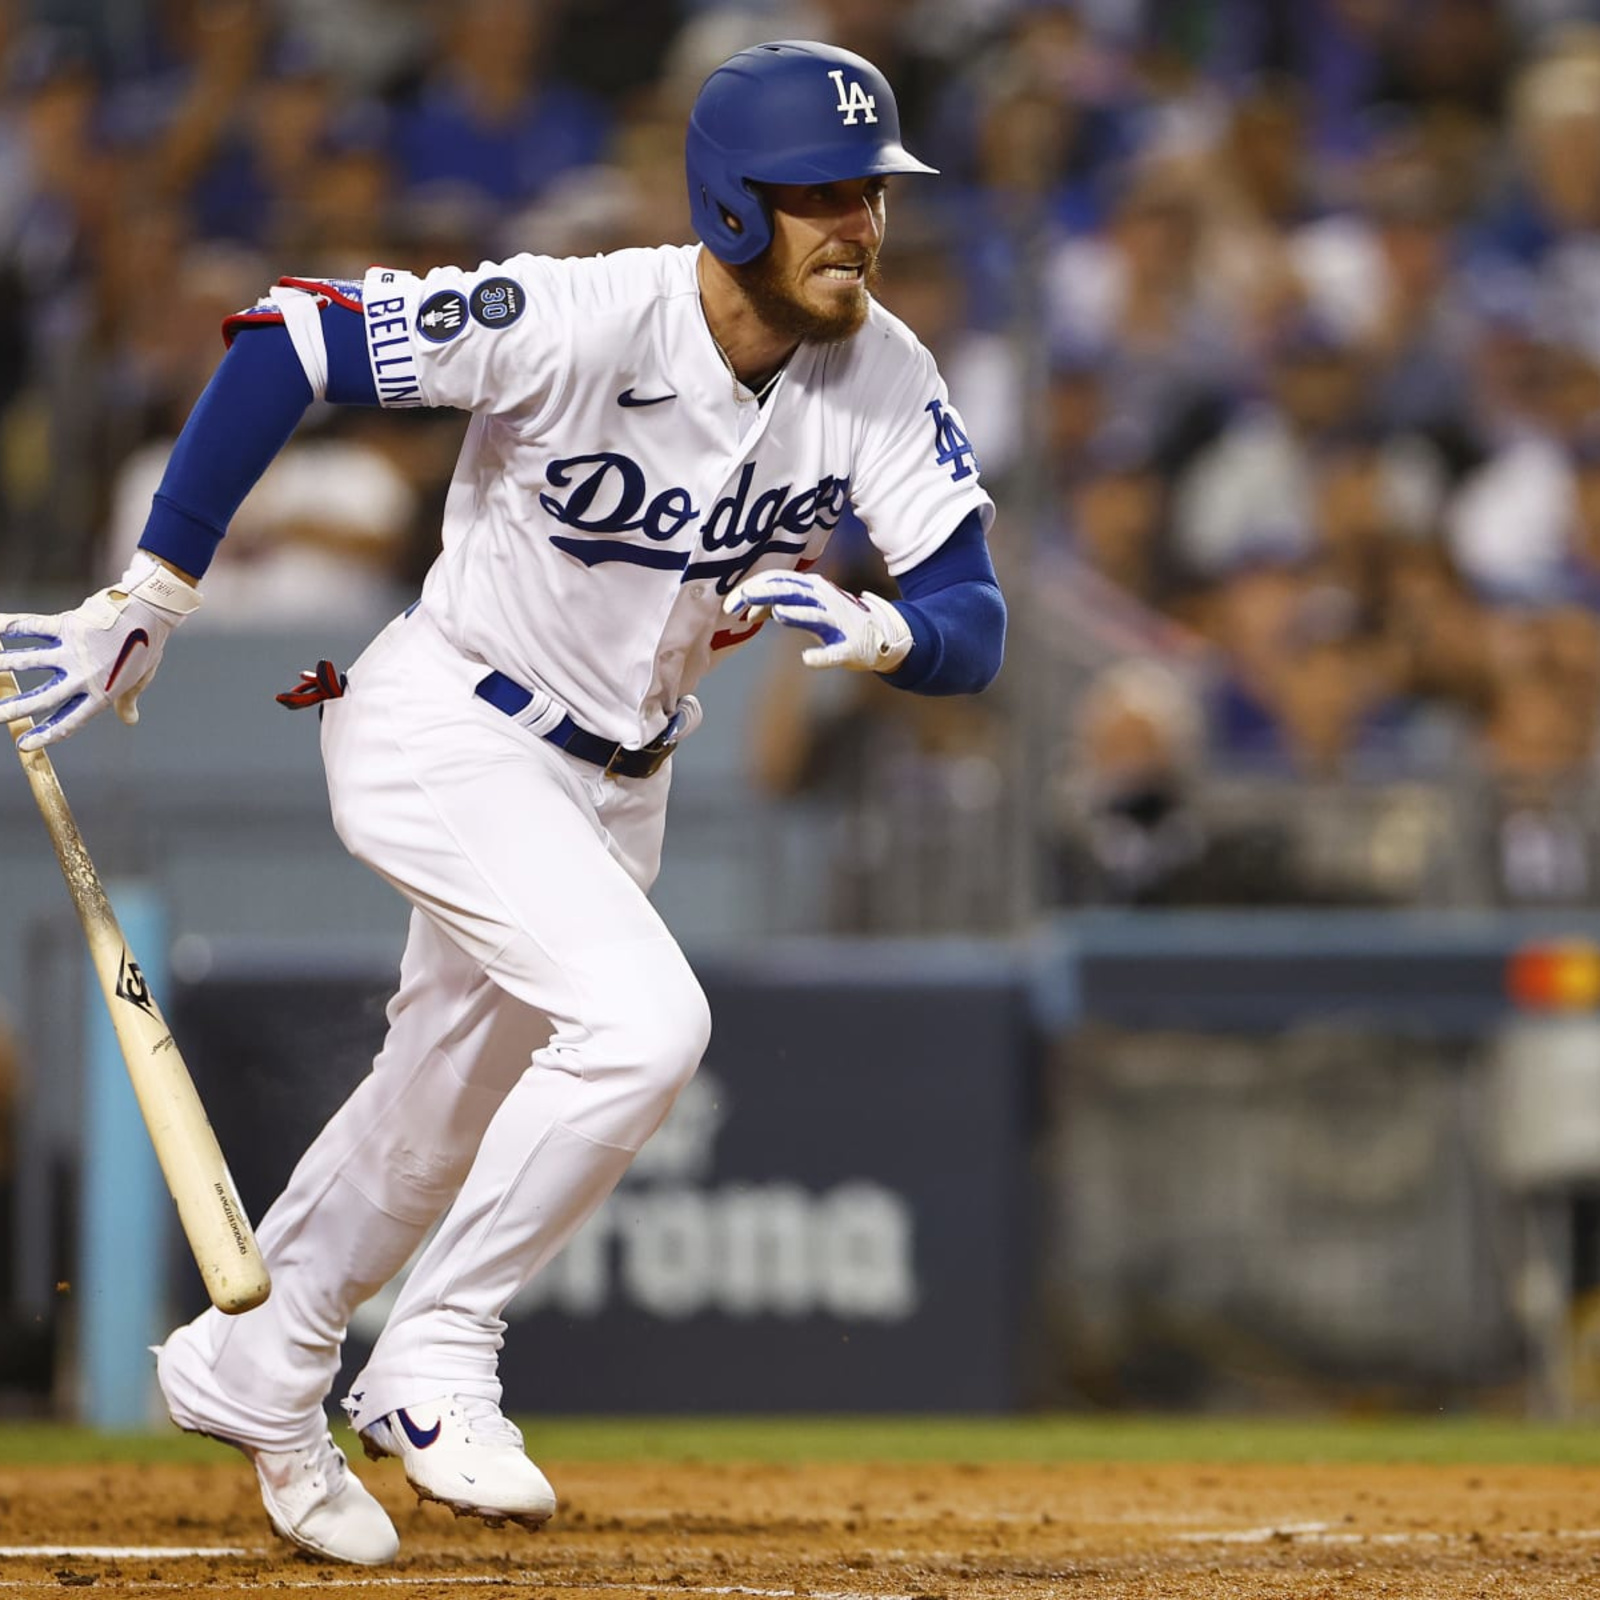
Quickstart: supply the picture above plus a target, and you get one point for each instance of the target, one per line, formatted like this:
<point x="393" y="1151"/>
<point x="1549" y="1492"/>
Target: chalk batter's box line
<point x="100" y="1552"/>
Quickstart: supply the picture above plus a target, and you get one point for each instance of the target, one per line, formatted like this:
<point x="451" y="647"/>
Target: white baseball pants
<point x="544" y="1023"/>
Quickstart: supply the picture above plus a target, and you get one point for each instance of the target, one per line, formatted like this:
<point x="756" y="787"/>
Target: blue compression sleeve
<point x="957" y="616"/>
<point x="248" y="412"/>
<point x="349" y="371"/>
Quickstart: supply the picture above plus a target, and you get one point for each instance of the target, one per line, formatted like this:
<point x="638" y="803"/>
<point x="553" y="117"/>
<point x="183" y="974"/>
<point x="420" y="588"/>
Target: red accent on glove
<point x="327" y="682"/>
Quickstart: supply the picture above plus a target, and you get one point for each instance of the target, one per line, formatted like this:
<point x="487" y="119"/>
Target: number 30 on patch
<point x="498" y="302"/>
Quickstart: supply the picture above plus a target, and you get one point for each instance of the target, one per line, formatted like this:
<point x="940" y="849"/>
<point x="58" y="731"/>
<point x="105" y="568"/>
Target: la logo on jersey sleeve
<point x="951" y="446"/>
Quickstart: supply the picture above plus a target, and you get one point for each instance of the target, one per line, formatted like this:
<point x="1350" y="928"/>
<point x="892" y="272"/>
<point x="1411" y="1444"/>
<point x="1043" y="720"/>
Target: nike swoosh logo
<point x="629" y="398"/>
<point x="137" y="637"/>
<point x="420" y="1438"/>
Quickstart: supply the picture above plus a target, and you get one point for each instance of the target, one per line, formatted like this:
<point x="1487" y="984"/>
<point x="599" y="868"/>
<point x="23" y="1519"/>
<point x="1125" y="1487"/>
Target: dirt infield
<point x="845" y="1533"/>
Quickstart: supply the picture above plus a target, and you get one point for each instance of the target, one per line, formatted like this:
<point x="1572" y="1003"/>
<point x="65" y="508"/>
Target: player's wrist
<point x="159" y="585"/>
<point x="893" y="641"/>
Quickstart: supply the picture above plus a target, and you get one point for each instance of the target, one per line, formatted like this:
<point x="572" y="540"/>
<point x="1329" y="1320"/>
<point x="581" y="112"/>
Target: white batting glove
<point x="863" y="632"/>
<point x="104" y="653"/>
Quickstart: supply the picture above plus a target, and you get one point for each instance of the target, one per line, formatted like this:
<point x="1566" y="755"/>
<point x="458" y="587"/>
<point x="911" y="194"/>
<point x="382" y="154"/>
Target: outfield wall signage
<point x="832" y="1218"/>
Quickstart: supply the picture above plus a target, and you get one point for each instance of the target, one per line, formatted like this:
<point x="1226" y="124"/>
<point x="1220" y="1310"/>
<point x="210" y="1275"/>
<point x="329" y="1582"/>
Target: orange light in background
<point x="1563" y="976"/>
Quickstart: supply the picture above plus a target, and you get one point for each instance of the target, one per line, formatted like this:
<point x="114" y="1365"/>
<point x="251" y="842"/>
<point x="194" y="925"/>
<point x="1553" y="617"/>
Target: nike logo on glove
<point x="629" y="398"/>
<point x="138" y="636"/>
<point x="420" y="1438"/>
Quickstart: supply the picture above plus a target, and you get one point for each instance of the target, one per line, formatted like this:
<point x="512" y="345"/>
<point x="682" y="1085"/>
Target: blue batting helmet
<point x="789" y="112"/>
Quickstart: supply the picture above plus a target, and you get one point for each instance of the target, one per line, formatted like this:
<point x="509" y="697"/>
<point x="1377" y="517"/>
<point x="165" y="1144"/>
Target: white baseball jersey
<point x="616" y="482"/>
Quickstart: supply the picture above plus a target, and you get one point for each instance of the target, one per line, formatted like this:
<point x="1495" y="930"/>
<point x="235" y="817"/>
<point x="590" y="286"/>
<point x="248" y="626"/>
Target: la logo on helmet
<point x="853" y="100"/>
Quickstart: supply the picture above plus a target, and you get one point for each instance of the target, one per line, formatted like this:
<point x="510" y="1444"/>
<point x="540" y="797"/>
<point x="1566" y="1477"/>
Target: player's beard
<point x="769" y="287"/>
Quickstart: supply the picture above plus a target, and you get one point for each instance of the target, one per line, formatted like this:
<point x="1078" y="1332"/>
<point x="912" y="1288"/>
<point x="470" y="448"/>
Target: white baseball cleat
<point x="312" y="1497"/>
<point x="465" y="1453"/>
<point x="315" y="1501"/>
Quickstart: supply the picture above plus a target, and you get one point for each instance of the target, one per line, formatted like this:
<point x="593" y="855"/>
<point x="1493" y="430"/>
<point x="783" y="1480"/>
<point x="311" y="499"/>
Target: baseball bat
<point x="213" y="1219"/>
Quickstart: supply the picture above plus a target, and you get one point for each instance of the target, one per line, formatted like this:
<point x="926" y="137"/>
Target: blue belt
<point x="616" y="760"/>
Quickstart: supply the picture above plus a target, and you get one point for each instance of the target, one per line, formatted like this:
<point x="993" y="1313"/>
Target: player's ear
<point x="759" y="190"/>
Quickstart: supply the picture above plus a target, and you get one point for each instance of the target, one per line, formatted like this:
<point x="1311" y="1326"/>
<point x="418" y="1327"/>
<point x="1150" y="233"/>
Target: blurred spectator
<point x="1537" y="749"/>
<point x="1259" y="184"/>
<point x="1381" y="272"/>
<point x="345" y="224"/>
<point x="1028" y="129"/>
<point x="1330" y="711"/>
<point x="174" y="110"/>
<point x="300" y="171"/>
<point x="614" y="50"/>
<point x="1334" y="48"/>
<point x="649" y="160"/>
<point x="713" y="30"/>
<point x="1133" y="291"/>
<point x="1131" y="835"/>
<point x="250" y="179"/>
<point x="1548" y="216"/>
<point x="1557" y="643"/>
<point x="369" y="45"/>
<point x="636" y="197"/>
<point x="325" y="534"/>
<point x="1435" y="57"/>
<point x="1506" y="357"/>
<point x="1076" y="411"/>
<point x="68" y="182"/>
<point x="1255" y="489"/>
<point x="1434" y="633"/>
<point x="1513" y="523"/>
<point x="1132" y="827"/>
<point x="486" y="117"/>
<point x="1447" y="61"/>
<point x="1302" y="686"/>
<point x="156" y="345"/>
<point x="1114" y="517"/>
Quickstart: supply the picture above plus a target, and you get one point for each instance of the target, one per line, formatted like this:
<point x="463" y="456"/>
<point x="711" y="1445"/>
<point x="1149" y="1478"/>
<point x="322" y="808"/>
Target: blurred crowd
<point x="1276" y="328"/>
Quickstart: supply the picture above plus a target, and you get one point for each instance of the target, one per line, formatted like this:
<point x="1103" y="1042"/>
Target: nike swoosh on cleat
<point x="629" y="398"/>
<point x="420" y="1438"/>
<point x="137" y="637"/>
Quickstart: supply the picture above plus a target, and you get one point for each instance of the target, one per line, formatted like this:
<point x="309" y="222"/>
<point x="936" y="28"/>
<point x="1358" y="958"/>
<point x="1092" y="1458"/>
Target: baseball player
<point x="661" y="442"/>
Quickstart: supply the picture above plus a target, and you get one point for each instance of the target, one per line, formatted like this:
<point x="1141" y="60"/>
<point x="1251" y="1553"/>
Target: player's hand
<point x="863" y="632"/>
<point x="104" y="653"/>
